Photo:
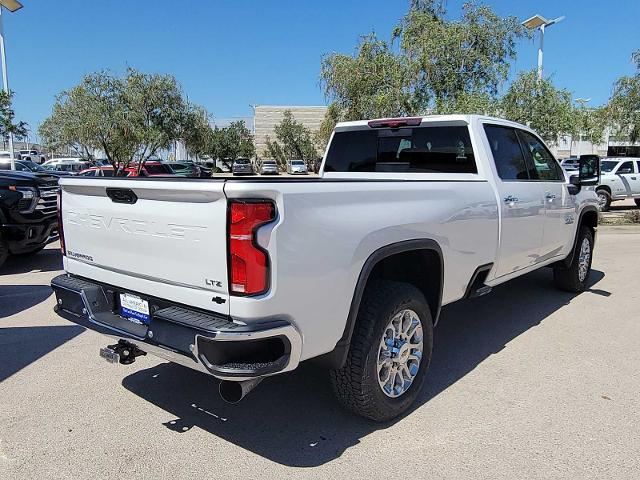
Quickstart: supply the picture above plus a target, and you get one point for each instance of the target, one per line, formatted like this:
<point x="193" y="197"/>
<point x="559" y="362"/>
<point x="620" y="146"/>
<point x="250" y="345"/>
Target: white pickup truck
<point x="620" y="181"/>
<point x="245" y="278"/>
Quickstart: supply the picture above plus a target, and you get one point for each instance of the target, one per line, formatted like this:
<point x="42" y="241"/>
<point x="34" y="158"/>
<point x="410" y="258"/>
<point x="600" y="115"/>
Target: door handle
<point x="510" y="199"/>
<point x="550" y="196"/>
<point x="633" y="178"/>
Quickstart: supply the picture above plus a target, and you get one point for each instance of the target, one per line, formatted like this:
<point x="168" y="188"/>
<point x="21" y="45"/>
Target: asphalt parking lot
<point x="527" y="382"/>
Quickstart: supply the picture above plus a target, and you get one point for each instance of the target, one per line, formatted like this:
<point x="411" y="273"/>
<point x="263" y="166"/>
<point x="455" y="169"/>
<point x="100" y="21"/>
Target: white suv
<point x="620" y="180"/>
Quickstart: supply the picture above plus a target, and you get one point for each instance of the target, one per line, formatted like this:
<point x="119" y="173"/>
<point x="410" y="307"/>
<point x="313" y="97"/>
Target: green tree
<point x="129" y="118"/>
<point x="293" y="141"/>
<point x="8" y="124"/>
<point x="197" y="132"/>
<point x="590" y="123"/>
<point x="432" y="64"/>
<point x="539" y="104"/>
<point x="624" y="104"/>
<point x="230" y="142"/>
<point x="453" y="57"/>
<point x="375" y="82"/>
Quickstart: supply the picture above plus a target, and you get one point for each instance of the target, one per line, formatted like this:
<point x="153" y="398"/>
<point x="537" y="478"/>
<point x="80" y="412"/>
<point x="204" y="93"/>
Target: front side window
<point x="545" y="167"/>
<point x="507" y="153"/>
<point x="626" y="167"/>
<point x="607" y="166"/>
<point x="428" y="149"/>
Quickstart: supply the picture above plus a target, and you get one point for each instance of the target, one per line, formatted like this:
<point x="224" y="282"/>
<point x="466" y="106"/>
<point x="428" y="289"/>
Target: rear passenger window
<point x="436" y="149"/>
<point x="545" y="167"/>
<point x="507" y="153"/>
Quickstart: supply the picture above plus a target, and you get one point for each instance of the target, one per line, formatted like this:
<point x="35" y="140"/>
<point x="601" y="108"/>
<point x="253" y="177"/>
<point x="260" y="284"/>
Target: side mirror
<point x="589" y="170"/>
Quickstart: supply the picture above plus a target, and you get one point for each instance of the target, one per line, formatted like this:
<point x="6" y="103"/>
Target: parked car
<point x="620" y="180"/>
<point x="54" y="161"/>
<point x="297" y="167"/>
<point x="150" y="169"/>
<point x="269" y="167"/>
<point x="32" y="155"/>
<point x="185" y="169"/>
<point x="28" y="212"/>
<point x="21" y="165"/>
<point x="242" y="166"/>
<point x="350" y="268"/>
<point x="102" y="171"/>
<point x="68" y="168"/>
<point x="570" y="164"/>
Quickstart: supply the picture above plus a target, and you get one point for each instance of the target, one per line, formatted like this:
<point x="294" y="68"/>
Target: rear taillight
<point x="60" y="230"/>
<point x="248" y="262"/>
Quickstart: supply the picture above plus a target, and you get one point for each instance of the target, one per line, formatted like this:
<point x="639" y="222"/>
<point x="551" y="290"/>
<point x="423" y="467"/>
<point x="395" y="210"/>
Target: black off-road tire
<point x="637" y="200"/>
<point x="604" y="207"/>
<point x="568" y="278"/>
<point x="356" y="384"/>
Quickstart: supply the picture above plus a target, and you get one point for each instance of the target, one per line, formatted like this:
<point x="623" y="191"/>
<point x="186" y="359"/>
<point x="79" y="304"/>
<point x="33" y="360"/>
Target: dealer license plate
<point x="134" y="308"/>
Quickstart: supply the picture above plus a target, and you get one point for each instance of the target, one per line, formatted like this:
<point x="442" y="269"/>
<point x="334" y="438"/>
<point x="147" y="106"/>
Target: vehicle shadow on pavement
<point x="21" y="346"/>
<point x="48" y="260"/>
<point x="294" y="420"/>
<point x="17" y="298"/>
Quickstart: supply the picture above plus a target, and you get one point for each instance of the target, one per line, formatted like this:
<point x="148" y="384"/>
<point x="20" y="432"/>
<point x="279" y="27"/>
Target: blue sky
<point x="228" y="54"/>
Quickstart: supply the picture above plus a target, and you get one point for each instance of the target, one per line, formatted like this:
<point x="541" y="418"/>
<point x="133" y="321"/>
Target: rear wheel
<point x="574" y="277"/>
<point x="604" y="200"/>
<point x="389" y="354"/>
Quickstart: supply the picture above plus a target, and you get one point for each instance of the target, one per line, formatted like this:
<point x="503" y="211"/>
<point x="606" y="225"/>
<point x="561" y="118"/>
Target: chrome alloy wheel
<point x="602" y="201"/>
<point x="400" y="352"/>
<point x="584" y="259"/>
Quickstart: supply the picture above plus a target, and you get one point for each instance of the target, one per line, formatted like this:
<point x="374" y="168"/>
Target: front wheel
<point x="574" y="277"/>
<point x="604" y="200"/>
<point x="389" y="354"/>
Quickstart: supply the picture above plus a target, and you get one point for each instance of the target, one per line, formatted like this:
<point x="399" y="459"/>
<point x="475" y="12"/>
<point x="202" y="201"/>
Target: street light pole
<point x="538" y="22"/>
<point x="5" y="85"/>
<point x="540" y="52"/>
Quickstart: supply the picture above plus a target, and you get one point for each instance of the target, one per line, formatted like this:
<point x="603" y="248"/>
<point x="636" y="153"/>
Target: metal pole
<point x="540" y="52"/>
<point x="5" y="85"/>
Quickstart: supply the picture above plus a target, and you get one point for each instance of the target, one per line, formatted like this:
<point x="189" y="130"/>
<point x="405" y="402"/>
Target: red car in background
<point x="149" y="169"/>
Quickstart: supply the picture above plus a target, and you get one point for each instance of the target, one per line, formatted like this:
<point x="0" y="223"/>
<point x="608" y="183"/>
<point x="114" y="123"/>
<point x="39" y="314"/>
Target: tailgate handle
<point x="122" y="195"/>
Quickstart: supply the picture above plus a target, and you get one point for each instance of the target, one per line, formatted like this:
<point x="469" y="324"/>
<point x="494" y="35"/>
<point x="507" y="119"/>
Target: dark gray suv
<point x="242" y="166"/>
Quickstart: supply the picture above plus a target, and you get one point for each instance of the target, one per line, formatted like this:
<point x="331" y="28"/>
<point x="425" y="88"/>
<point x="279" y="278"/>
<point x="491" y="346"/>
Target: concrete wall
<point x="266" y="117"/>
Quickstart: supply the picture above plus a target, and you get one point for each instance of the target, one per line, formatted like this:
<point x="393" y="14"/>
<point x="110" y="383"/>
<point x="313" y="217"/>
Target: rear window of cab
<point x="424" y="149"/>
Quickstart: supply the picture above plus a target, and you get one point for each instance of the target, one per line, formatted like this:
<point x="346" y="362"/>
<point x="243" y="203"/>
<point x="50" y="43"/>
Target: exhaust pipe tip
<point x="233" y="392"/>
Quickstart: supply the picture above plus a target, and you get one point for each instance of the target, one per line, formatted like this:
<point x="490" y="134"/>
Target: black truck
<point x="28" y="212"/>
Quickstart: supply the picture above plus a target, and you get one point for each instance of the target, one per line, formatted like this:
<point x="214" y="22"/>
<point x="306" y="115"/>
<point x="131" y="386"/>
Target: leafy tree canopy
<point x="8" y="124"/>
<point x="624" y="105"/>
<point x="129" y="118"/>
<point x="539" y="104"/>
<point x="431" y="64"/>
<point x="293" y="141"/>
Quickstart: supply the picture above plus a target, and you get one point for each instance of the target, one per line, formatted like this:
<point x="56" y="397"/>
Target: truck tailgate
<point x="163" y="237"/>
